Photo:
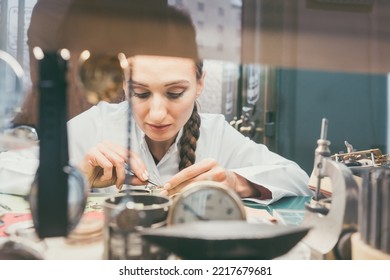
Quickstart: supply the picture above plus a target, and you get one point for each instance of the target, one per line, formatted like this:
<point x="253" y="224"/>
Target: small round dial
<point x="205" y="201"/>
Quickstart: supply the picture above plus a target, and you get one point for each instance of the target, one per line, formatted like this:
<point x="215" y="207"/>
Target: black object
<point x="58" y="194"/>
<point x="226" y="239"/>
<point x="52" y="180"/>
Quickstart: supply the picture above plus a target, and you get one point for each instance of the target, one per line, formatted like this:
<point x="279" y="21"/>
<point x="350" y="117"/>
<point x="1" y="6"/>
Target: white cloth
<point x="217" y="140"/>
<point x="17" y="170"/>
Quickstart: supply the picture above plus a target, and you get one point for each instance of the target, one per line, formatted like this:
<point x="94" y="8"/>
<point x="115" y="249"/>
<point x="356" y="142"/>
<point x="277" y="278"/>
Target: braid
<point x="188" y="140"/>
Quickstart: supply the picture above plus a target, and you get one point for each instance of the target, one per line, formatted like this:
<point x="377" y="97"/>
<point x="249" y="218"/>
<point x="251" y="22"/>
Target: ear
<point x="200" y="86"/>
<point x="125" y="64"/>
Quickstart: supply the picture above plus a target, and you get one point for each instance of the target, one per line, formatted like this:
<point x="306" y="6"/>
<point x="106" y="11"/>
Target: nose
<point x="157" y="110"/>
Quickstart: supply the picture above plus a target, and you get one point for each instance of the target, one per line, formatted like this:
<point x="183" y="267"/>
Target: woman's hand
<point x="209" y="169"/>
<point x="104" y="165"/>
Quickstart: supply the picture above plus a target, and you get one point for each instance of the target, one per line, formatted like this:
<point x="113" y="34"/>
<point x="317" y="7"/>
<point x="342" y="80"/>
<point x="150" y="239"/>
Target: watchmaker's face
<point x="163" y="94"/>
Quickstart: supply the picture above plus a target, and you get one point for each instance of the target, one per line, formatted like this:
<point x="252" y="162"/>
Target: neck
<point x="159" y="148"/>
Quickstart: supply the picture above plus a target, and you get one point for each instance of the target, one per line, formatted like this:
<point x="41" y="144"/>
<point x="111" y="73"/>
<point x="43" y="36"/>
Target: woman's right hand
<point x="104" y="165"/>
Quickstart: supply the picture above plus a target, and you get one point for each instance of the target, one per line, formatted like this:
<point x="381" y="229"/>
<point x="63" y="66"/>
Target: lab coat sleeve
<point x="259" y="165"/>
<point x="83" y="133"/>
<point x="103" y="122"/>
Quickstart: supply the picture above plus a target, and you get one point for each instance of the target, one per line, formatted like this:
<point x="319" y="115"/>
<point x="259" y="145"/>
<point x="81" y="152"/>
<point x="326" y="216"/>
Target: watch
<point x="136" y="211"/>
<point x="205" y="201"/>
<point x="126" y="215"/>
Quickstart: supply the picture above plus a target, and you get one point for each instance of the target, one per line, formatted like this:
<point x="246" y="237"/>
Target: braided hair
<point x="190" y="132"/>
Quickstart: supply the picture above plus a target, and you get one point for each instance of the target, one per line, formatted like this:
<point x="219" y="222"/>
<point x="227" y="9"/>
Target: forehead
<point x="145" y="66"/>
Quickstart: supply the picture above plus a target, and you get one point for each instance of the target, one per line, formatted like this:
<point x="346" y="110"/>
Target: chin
<point x="161" y="137"/>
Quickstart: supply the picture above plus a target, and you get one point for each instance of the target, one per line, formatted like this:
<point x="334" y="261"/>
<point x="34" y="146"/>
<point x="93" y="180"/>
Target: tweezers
<point x="130" y="173"/>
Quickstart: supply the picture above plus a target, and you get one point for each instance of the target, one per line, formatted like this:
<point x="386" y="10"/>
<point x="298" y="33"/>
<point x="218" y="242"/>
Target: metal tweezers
<point x="130" y="173"/>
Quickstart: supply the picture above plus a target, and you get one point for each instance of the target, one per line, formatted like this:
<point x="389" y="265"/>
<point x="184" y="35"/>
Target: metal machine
<point x="331" y="217"/>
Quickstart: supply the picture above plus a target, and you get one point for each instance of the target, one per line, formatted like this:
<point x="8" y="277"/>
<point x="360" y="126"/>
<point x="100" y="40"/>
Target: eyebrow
<point x="132" y="82"/>
<point x="177" y="82"/>
<point x="166" y="85"/>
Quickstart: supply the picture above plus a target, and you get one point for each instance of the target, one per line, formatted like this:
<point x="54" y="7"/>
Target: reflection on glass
<point x="11" y="97"/>
<point x="101" y="78"/>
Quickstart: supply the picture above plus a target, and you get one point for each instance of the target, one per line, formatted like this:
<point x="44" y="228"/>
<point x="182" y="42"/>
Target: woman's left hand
<point x="207" y="169"/>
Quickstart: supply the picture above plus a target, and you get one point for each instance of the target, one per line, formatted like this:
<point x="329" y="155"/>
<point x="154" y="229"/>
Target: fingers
<point x="108" y="156"/>
<point x="135" y="181"/>
<point x="207" y="169"/>
<point x="138" y="166"/>
<point x="104" y="165"/>
<point x="190" y="172"/>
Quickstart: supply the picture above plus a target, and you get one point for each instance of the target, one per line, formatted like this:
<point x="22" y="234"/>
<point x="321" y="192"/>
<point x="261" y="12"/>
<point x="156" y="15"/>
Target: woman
<point x="171" y="143"/>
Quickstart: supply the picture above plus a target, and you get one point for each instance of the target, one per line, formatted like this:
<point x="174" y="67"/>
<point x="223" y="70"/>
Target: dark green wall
<point x="355" y="105"/>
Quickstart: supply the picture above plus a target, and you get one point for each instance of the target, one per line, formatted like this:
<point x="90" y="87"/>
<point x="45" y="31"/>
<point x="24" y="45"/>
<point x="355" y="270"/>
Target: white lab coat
<point x="217" y="140"/>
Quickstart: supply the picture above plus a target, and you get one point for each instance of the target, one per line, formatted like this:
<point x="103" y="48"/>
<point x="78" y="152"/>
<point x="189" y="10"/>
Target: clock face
<point x="205" y="201"/>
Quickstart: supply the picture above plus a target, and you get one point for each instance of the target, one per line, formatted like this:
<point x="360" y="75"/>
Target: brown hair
<point x="188" y="140"/>
<point x="190" y="132"/>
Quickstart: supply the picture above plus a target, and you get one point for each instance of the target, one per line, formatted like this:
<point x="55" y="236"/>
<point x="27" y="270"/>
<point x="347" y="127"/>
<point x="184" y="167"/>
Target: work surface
<point x="16" y="217"/>
<point x="288" y="210"/>
<point x="292" y="203"/>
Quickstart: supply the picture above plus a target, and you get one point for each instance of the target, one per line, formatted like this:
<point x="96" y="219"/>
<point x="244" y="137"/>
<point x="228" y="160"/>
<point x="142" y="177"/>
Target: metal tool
<point x="130" y="173"/>
<point x="364" y="158"/>
<point x="329" y="220"/>
<point x="374" y="209"/>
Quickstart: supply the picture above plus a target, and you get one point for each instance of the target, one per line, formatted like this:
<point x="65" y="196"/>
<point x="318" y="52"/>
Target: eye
<point x="143" y="95"/>
<point x="176" y="92"/>
<point x="140" y="92"/>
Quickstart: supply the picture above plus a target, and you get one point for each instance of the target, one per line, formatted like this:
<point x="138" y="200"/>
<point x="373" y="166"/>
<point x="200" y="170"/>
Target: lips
<point x="159" y="128"/>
